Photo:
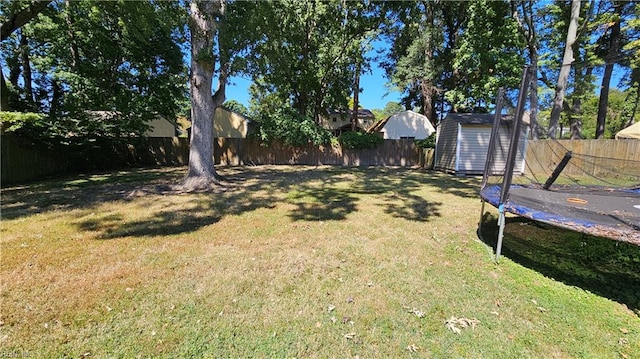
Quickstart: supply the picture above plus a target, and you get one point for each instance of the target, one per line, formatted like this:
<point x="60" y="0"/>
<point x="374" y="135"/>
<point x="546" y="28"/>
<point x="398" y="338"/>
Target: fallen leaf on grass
<point x="350" y="299"/>
<point x="457" y="324"/>
<point x="623" y="341"/>
<point x="624" y="330"/>
<point x="412" y="348"/>
<point x="418" y="313"/>
<point x="350" y="336"/>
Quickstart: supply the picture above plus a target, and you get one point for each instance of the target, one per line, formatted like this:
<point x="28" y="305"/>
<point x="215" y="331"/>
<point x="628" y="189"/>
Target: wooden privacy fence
<point x="599" y="158"/>
<point x="237" y="151"/>
<point x="24" y="161"/>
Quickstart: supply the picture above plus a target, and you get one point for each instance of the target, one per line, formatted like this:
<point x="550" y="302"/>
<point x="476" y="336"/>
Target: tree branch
<point x="15" y="21"/>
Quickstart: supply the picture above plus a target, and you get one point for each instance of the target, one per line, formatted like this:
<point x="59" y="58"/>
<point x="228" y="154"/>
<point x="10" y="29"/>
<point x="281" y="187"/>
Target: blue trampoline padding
<point x="600" y="212"/>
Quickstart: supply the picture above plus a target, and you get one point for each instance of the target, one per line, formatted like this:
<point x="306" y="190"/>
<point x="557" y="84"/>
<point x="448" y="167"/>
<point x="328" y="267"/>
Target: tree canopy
<point x="63" y="59"/>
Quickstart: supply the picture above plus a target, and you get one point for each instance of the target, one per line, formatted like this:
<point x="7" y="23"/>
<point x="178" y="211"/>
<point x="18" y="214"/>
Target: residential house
<point x="161" y="127"/>
<point x="338" y="121"/>
<point x="230" y="124"/>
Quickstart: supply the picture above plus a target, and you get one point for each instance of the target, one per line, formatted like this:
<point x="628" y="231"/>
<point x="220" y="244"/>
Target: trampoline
<point x="598" y="211"/>
<point x="610" y="207"/>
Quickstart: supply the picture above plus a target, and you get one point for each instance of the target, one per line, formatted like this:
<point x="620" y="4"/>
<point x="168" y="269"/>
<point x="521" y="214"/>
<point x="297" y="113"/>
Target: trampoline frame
<point x="619" y="224"/>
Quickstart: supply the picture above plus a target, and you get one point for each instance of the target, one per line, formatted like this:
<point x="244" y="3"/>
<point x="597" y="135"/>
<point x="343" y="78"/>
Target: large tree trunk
<point x="356" y="100"/>
<point x="524" y="13"/>
<point x="575" y="123"/>
<point x="427" y="89"/>
<point x="563" y="77"/>
<point x="4" y="93"/>
<point x="202" y="25"/>
<point x="614" y="47"/>
<point x="533" y="99"/>
<point x="26" y="70"/>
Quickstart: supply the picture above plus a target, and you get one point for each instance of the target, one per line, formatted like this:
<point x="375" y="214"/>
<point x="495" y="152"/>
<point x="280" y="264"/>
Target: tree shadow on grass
<point x="316" y="194"/>
<point x="603" y="266"/>
<point x="80" y="191"/>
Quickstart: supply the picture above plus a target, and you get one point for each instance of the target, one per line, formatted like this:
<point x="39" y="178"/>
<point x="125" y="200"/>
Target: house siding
<point x="229" y="124"/>
<point x="161" y="127"/>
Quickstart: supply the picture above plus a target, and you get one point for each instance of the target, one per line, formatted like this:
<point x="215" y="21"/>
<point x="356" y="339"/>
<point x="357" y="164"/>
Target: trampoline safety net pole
<point x="511" y="155"/>
<point x="492" y="139"/>
<point x="489" y="163"/>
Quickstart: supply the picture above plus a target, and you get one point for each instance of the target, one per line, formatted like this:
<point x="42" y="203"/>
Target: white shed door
<point x="473" y="145"/>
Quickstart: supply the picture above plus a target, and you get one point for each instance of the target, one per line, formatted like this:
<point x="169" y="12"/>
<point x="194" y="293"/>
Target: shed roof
<point x="479" y="118"/>
<point x="630" y="132"/>
<point x="362" y="112"/>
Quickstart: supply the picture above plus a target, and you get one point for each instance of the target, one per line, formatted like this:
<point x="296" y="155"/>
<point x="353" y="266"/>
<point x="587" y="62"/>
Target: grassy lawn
<point x="300" y="262"/>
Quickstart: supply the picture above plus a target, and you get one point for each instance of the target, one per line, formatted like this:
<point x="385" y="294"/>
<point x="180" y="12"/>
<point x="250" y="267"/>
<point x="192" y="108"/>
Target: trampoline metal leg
<point x="481" y="214"/>
<point x="501" y="222"/>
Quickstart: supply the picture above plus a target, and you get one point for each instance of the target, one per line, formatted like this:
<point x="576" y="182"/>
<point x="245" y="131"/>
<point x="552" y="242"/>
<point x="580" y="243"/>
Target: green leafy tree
<point x="236" y="106"/>
<point x="14" y="15"/>
<point x="389" y="109"/>
<point x="291" y="128"/>
<point x="357" y="140"/>
<point x="306" y="53"/>
<point x="423" y="35"/>
<point x="120" y="58"/>
<point x="617" y="116"/>
<point x="488" y="56"/>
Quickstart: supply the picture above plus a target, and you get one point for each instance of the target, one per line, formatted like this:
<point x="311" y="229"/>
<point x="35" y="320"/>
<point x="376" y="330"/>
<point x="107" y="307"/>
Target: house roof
<point x="379" y="125"/>
<point x="362" y="112"/>
<point x="245" y="117"/>
<point x="480" y="118"/>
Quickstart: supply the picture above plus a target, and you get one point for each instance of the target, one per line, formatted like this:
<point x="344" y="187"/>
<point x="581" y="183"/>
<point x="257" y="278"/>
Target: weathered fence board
<point x="234" y="151"/>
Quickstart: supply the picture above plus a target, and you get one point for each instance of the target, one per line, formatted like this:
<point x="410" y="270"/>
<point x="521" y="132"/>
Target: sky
<point x="374" y="94"/>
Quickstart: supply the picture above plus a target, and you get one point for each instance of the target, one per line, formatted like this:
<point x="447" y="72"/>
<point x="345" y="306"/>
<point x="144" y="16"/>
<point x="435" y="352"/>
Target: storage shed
<point x="405" y="125"/>
<point x="631" y="132"/>
<point x="463" y="142"/>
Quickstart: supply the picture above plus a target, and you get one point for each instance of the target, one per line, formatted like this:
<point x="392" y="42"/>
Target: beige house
<point x="158" y="127"/>
<point x="161" y="127"/>
<point x="338" y="121"/>
<point x="230" y="124"/>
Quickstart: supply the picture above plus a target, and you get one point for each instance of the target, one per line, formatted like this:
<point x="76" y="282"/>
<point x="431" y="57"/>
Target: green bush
<point x="353" y="139"/>
<point x="429" y="142"/>
<point x="11" y="122"/>
<point x="292" y="128"/>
